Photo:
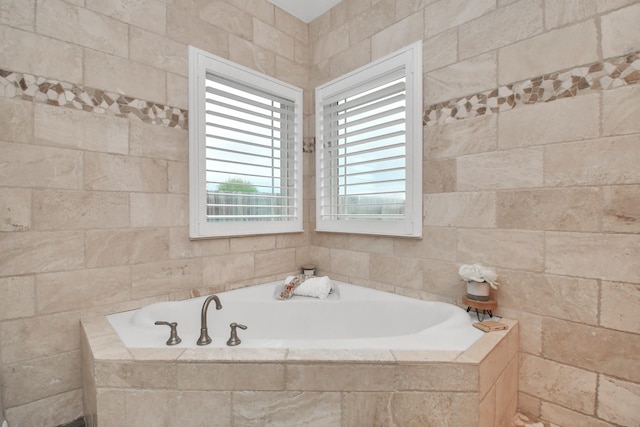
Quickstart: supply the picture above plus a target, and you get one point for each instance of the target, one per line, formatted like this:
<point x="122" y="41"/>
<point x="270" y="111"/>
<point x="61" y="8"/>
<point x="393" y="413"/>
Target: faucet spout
<point x="204" y="332"/>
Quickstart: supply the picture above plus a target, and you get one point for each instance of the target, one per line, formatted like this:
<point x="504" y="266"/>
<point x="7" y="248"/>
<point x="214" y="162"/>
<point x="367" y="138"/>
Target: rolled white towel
<point x="317" y="287"/>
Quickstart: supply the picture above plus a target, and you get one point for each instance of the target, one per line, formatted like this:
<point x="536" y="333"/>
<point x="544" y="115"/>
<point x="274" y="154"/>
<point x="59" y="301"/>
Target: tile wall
<point x="93" y="216"/>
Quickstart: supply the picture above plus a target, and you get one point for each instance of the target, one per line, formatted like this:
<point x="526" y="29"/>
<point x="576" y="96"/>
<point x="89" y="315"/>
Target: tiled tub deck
<point x="280" y="387"/>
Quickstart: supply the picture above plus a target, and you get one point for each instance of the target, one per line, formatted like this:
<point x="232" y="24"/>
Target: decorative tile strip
<point x="53" y="92"/>
<point x="608" y="74"/>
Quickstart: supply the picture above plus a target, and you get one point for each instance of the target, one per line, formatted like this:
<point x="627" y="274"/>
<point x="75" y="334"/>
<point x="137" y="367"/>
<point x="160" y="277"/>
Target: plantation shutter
<point x="250" y="153"/>
<point x="363" y="169"/>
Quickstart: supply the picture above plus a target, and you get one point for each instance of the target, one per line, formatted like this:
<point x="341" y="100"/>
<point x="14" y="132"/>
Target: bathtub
<point x="352" y="317"/>
<point x="359" y="357"/>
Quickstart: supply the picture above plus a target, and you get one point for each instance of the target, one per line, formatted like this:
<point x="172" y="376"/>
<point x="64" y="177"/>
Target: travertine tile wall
<point x="531" y="147"/>
<point x="546" y="193"/>
<point x="93" y="175"/>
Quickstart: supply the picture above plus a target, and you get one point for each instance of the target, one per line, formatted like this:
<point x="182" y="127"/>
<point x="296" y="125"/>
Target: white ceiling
<point x="305" y="10"/>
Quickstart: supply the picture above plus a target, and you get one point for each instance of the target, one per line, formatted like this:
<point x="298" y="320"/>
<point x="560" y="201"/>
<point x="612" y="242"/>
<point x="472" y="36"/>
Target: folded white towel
<point x="317" y="287"/>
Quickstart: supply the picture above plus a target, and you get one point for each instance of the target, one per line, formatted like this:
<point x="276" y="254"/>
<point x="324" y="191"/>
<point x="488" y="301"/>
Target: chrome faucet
<point x="204" y="334"/>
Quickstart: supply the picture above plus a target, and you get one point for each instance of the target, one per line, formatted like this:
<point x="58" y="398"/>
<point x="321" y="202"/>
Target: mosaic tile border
<point x="62" y="94"/>
<point x="603" y="75"/>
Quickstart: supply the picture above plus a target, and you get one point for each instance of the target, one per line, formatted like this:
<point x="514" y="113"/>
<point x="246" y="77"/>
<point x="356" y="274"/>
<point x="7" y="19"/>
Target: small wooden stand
<point x="487" y="307"/>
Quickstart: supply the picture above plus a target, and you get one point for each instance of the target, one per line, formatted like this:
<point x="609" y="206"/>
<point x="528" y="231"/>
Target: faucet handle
<point x="233" y="339"/>
<point x="174" y="338"/>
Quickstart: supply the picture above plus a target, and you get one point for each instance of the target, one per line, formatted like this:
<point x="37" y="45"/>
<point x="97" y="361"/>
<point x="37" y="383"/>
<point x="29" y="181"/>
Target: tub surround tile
<point x="424" y="356"/>
<point x="157" y="354"/>
<point x="327" y="355"/>
<point x="47" y="411"/>
<point x="437" y="377"/>
<point x="238" y="354"/>
<point x="618" y="401"/>
<point x="565" y="417"/>
<point x="232" y="376"/>
<point x="618" y="306"/>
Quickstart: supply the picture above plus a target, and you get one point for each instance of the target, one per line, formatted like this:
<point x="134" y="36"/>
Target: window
<point x="369" y="148"/>
<point x="245" y="150"/>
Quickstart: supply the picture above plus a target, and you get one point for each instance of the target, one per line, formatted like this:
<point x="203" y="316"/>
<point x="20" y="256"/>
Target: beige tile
<point x="339" y="355"/>
<point x="396" y="270"/>
<point x="565" y="385"/>
<point x="54" y="410"/>
<point x="126" y="246"/>
<point x="292" y="72"/>
<point x="565" y="417"/>
<point x="272" y="38"/>
<point x="440" y="50"/>
<point x="621" y="208"/>
<point x="437" y="377"/>
<point x="439" y="176"/>
<point x="350" y="263"/>
<point x="158" y="142"/>
<point x="64" y="210"/>
<point x="276" y="261"/>
<point x="41" y="336"/>
<point x="251" y="55"/>
<point x="461" y="209"/>
<point x="18" y="13"/>
<point x="180" y="246"/>
<point x="31" y="166"/>
<point x="71" y="128"/>
<point x="286" y="409"/>
<point x="136" y="375"/>
<point x="173" y="407"/>
<point x="562" y="12"/>
<point x="489" y="32"/>
<point x="265" y="11"/>
<point x="82" y="27"/>
<point x="191" y="29"/>
<point x="618" y="401"/>
<point x="15" y="214"/>
<point x="487" y="409"/>
<point x="620" y="31"/>
<point x="602" y="161"/>
<point x="571" y="209"/>
<point x="463" y="78"/>
<point x="620" y="110"/>
<point x="158" y="52"/>
<point x="165" y="276"/>
<point x="330" y="44"/>
<point x="618" y="306"/>
<point x="442" y="278"/>
<point x="66" y="291"/>
<point x="34" y="252"/>
<point x="124" y="173"/>
<point x="355" y="56"/>
<point x="322" y="25"/>
<point x="17" y="297"/>
<point x="252" y="243"/>
<point x="551" y="294"/>
<point x="445" y="14"/>
<point x="233" y="376"/>
<point x="602" y="256"/>
<point x="445" y="409"/>
<point x="159" y="210"/>
<point x="178" y="177"/>
<point x="396" y="36"/>
<point x="228" y="17"/>
<point x="111" y="407"/>
<point x="237" y="354"/>
<point x="582" y="346"/>
<point x="340" y="377"/>
<point x="32" y="380"/>
<point x="123" y="76"/>
<point x="16" y="120"/>
<point x="370" y="409"/>
<point x="518" y="168"/>
<point x="514" y="249"/>
<point x="287" y="23"/>
<point x="561" y="120"/>
<point x="45" y="57"/>
<point x="470" y="136"/>
<point x="225" y="269"/>
<point x="490" y="370"/>
<point x="437" y="243"/>
<point x="177" y="91"/>
<point x="528" y="404"/>
<point x="507" y="389"/>
<point x="146" y="14"/>
<point x="549" y="52"/>
<point x="379" y="16"/>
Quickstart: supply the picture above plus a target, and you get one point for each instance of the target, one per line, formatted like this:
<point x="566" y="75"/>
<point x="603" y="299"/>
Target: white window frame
<point x="201" y="62"/>
<point x="359" y="81"/>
